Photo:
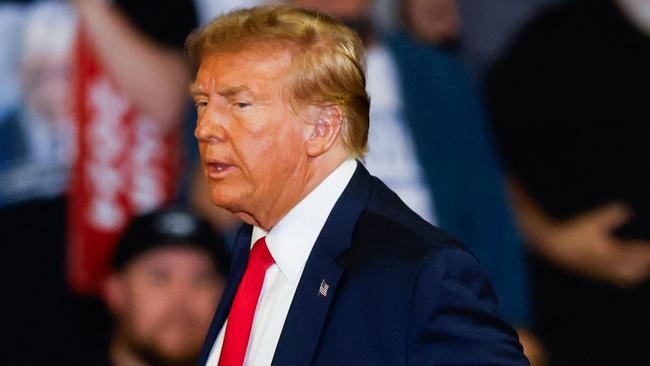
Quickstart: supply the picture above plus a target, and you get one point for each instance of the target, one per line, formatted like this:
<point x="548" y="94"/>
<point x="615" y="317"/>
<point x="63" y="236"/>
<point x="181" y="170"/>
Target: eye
<point x="201" y="103"/>
<point x="204" y="279"/>
<point x="159" y="277"/>
<point x="242" y="105"/>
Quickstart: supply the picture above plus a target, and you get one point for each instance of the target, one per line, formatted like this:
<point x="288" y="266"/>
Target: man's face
<point x="46" y="85"/>
<point x="436" y="21"/>
<point x="252" y="143"/>
<point x="163" y="303"/>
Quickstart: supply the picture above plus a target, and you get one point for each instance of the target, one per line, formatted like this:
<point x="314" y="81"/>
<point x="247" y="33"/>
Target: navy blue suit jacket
<point x="401" y="292"/>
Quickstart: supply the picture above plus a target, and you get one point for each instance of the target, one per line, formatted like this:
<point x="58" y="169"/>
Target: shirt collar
<point x="290" y="241"/>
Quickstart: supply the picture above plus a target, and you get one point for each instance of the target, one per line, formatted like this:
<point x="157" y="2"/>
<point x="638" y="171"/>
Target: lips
<point x="218" y="169"/>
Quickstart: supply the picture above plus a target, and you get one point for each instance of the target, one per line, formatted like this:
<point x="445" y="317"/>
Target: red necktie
<point x="240" y="319"/>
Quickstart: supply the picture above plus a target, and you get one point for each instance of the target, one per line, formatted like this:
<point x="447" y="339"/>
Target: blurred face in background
<point x="46" y="88"/>
<point x="434" y="21"/>
<point x="349" y="9"/>
<point x="354" y="13"/>
<point x="46" y="61"/>
<point x="163" y="303"/>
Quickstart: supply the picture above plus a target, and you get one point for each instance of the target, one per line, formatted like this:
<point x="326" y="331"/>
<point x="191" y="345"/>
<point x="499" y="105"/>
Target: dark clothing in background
<point x="90" y="343"/>
<point x="168" y="21"/>
<point x="570" y="108"/>
<point x="488" y="27"/>
<point x="33" y="283"/>
<point x="37" y="309"/>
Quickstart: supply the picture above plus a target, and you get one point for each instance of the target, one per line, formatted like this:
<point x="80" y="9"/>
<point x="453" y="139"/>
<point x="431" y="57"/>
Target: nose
<point x="210" y="127"/>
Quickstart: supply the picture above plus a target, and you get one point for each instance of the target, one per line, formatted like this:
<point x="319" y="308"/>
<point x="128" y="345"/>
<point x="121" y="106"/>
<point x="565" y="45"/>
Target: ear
<point x="114" y="293"/>
<point x="323" y="131"/>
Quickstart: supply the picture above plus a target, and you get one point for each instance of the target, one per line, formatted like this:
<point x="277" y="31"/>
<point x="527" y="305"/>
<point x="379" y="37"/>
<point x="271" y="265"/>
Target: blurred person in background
<point x="168" y="273"/>
<point x="438" y="23"/>
<point x="489" y="27"/>
<point x="12" y="16"/>
<point x="37" y="138"/>
<point x="570" y="109"/>
<point x="141" y="51"/>
<point x="129" y="109"/>
<point x="143" y="56"/>
<point x="484" y="30"/>
<point x="430" y="144"/>
<point x="209" y="9"/>
<point x="435" y="21"/>
<point x="36" y="153"/>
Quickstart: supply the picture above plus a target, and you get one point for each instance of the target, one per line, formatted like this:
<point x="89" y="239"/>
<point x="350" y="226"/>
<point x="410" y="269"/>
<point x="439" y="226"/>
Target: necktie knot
<point x="260" y="256"/>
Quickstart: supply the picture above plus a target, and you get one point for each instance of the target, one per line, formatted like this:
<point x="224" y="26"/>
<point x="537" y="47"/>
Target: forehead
<point x="251" y="66"/>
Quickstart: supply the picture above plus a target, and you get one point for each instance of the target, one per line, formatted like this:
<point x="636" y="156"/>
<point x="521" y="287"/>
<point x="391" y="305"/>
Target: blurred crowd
<point x="519" y="126"/>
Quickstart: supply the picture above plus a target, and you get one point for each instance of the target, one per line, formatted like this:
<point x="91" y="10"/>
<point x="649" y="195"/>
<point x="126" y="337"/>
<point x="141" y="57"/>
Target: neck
<point x="306" y="177"/>
<point x="122" y="355"/>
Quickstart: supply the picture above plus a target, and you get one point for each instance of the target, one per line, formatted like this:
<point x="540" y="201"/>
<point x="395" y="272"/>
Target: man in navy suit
<point x="331" y="267"/>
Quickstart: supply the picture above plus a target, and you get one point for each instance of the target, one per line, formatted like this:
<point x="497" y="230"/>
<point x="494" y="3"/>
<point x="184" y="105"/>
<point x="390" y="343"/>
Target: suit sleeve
<point x="454" y="318"/>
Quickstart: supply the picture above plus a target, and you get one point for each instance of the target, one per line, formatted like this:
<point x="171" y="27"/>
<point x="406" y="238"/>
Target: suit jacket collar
<point x="306" y="317"/>
<point x="309" y="308"/>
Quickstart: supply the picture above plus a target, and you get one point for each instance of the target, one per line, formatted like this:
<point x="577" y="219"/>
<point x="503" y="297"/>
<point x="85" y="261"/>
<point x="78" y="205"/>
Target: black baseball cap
<point x="170" y="227"/>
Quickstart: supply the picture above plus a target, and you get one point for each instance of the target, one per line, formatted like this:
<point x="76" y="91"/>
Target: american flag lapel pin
<point x="322" y="291"/>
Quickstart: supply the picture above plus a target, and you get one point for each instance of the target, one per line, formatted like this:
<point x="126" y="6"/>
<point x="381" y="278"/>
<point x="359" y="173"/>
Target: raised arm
<point x="154" y="76"/>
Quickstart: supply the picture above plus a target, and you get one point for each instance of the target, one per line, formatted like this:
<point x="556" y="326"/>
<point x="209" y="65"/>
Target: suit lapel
<point x="317" y="287"/>
<point x="240" y="258"/>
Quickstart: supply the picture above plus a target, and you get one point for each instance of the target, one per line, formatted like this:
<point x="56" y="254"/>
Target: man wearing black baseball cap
<point x="168" y="272"/>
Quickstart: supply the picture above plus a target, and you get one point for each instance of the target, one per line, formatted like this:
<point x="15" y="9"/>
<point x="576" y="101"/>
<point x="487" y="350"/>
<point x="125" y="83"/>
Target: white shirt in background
<point x="392" y="156"/>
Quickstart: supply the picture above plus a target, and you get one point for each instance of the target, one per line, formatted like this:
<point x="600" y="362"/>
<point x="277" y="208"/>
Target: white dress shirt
<point x="290" y="242"/>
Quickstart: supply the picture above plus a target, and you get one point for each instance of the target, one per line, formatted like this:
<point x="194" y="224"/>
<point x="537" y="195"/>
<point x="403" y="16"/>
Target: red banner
<point x="125" y="165"/>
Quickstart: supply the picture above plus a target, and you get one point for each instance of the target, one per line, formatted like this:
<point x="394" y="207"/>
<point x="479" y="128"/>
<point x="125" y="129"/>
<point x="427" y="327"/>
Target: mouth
<point x="217" y="170"/>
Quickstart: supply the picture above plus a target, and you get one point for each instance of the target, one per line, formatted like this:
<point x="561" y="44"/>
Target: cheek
<point x="269" y="149"/>
<point x="147" y="307"/>
<point x="273" y="159"/>
<point x="202" y="148"/>
<point x="257" y="152"/>
<point x="203" y="304"/>
<point x="281" y="144"/>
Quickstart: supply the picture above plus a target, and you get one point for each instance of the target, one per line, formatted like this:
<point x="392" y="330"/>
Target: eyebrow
<point x="196" y="89"/>
<point x="234" y="90"/>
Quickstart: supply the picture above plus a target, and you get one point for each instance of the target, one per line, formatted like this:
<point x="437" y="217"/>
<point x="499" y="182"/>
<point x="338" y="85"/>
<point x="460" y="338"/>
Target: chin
<point x="224" y="202"/>
<point x="180" y="351"/>
<point x="226" y="198"/>
<point x="246" y="217"/>
<point x="237" y="201"/>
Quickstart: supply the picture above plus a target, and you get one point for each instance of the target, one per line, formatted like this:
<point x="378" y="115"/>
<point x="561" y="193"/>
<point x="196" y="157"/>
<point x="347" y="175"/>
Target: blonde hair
<point x="328" y="59"/>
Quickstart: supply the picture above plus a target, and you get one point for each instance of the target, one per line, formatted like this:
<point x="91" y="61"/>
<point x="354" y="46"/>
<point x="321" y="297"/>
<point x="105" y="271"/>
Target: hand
<point x="533" y="348"/>
<point x="585" y="244"/>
